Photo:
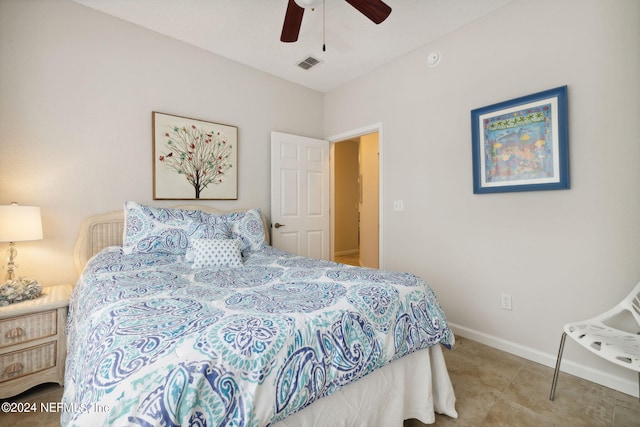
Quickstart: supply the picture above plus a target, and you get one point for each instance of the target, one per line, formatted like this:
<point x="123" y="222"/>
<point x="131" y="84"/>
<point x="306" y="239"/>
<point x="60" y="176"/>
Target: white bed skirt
<point x="412" y="387"/>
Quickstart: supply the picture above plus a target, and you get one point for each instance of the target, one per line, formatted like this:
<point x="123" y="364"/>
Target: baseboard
<point x="345" y="253"/>
<point x="587" y="373"/>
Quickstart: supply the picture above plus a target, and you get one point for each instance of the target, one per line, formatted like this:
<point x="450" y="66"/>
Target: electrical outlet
<point x="398" y="205"/>
<point x="505" y="302"/>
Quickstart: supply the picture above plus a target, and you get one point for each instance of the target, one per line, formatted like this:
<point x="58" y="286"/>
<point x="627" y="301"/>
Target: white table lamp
<point x="18" y="224"/>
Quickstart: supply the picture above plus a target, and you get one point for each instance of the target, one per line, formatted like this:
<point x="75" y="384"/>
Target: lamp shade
<point x="20" y="223"/>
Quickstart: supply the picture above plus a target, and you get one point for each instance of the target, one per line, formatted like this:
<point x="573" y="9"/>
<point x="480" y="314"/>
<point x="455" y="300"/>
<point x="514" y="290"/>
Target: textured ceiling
<point x="248" y="31"/>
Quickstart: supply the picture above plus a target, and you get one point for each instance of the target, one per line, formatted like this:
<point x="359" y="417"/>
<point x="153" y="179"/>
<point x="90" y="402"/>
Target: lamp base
<point x="12" y="254"/>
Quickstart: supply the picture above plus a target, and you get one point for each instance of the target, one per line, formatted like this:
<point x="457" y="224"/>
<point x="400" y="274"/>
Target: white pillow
<point x="216" y="253"/>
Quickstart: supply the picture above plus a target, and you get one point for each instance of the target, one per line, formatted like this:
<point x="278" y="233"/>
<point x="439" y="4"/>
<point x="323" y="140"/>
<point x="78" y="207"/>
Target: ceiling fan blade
<point x="292" y="22"/>
<point x="376" y="10"/>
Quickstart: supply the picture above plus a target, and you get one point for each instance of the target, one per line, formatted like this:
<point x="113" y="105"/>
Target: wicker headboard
<point x="100" y="231"/>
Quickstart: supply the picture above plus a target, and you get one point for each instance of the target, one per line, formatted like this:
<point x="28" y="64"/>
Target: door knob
<point x="278" y="225"/>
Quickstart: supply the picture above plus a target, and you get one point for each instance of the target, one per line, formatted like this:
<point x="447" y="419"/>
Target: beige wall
<point x="77" y="88"/>
<point x="562" y="255"/>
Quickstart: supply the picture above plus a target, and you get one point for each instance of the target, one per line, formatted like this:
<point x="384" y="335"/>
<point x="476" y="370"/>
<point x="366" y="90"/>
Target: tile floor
<point x="493" y="388"/>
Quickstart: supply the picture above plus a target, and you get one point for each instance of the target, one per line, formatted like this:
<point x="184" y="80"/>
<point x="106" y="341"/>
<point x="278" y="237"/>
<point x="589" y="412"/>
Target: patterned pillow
<point x="166" y="230"/>
<point x="250" y="231"/>
<point x="216" y="253"/>
<point x="211" y="226"/>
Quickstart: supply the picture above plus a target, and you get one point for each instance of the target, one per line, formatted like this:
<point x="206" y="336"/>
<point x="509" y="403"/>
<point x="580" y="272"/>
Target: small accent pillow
<point x="149" y="229"/>
<point x="250" y="231"/>
<point x="216" y="253"/>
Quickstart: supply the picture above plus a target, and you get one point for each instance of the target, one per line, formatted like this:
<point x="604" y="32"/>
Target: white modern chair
<point x="613" y="335"/>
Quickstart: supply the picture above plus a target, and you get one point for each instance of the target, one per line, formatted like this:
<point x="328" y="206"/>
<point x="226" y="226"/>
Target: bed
<point x="187" y="316"/>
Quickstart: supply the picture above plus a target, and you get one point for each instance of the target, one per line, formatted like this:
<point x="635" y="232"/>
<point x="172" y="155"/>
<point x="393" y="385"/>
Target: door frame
<point x="376" y="127"/>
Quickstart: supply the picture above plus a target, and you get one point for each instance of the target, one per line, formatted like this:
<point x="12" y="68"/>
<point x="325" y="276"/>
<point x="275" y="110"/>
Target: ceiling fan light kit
<point x="376" y="10"/>
<point x="306" y="4"/>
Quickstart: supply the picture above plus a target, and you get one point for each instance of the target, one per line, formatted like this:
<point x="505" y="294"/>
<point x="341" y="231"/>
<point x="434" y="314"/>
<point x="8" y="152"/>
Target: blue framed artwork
<point x="521" y="144"/>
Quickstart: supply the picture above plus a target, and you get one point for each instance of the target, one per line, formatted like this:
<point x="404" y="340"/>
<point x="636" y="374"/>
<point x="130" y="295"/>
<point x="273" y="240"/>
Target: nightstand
<point x="33" y="344"/>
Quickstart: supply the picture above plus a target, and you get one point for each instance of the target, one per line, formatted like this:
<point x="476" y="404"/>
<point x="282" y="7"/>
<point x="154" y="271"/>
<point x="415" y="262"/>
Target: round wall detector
<point x="433" y="59"/>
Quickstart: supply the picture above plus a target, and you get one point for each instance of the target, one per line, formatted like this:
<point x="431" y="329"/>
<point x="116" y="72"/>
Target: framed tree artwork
<point x="194" y="159"/>
<point x="521" y="144"/>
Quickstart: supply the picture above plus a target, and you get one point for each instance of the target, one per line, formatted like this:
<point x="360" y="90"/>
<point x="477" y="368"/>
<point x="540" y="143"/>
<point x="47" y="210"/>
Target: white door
<point x="300" y="222"/>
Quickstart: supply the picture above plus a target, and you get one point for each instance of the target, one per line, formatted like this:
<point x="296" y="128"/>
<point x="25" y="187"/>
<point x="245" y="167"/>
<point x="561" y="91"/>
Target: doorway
<point x="356" y="200"/>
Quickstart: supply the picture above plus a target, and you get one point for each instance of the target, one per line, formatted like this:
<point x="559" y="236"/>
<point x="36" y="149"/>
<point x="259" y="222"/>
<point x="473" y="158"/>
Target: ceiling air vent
<point x="308" y="62"/>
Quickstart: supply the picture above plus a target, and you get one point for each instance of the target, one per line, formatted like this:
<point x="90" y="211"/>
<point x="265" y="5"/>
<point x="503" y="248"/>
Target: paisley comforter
<point x="153" y="341"/>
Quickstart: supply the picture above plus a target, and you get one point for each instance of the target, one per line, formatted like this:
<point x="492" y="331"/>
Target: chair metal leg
<point x="557" y="370"/>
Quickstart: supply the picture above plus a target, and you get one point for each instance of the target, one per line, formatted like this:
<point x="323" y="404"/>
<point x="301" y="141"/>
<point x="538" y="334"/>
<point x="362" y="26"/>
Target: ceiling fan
<point x="375" y="10"/>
